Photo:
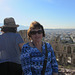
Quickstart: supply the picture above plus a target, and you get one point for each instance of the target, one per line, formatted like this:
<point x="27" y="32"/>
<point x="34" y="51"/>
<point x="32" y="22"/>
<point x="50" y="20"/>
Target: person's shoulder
<point x="26" y="48"/>
<point x="47" y="43"/>
<point x="11" y="34"/>
<point x="26" y="44"/>
<point x="17" y="34"/>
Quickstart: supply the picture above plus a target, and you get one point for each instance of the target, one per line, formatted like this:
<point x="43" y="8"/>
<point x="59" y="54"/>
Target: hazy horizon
<point x="22" y="27"/>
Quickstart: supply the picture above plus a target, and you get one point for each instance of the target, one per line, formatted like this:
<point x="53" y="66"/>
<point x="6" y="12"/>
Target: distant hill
<point x="58" y="31"/>
<point x="21" y="27"/>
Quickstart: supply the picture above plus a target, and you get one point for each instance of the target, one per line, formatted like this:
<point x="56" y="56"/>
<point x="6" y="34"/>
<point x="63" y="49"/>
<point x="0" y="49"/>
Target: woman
<point x="10" y="46"/>
<point x="33" y="53"/>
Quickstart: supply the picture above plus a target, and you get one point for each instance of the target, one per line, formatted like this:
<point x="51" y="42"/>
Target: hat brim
<point x="9" y="26"/>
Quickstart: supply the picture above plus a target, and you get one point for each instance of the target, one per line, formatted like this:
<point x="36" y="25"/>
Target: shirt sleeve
<point x="25" y="61"/>
<point x="53" y="60"/>
<point x="19" y="39"/>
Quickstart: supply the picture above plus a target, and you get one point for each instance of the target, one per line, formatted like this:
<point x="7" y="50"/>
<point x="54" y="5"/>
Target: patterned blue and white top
<point x="32" y="60"/>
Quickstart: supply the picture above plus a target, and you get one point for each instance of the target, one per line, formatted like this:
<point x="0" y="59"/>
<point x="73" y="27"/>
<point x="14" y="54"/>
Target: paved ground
<point x="65" y="71"/>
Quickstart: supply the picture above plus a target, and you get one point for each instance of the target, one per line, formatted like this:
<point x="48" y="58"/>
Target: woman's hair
<point x="35" y="25"/>
<point x="9" y="29"/>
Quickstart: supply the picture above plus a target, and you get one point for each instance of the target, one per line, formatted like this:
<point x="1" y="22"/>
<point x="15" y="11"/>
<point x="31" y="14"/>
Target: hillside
<point x="21" y="27"/>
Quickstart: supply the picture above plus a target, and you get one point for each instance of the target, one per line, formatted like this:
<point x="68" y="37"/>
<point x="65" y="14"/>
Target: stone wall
<point x="65" y="52"/>
<point x="23" y="34"/>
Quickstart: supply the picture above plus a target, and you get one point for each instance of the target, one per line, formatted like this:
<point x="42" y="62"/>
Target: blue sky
<point x="50" y="13"/>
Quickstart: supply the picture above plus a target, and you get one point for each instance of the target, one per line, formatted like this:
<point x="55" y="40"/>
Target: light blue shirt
<point x="9" y="49"/>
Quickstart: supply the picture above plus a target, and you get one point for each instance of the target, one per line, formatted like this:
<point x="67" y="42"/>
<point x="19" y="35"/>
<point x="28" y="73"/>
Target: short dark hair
<point x="9" y="29"/>
<point x="35" y="25"/>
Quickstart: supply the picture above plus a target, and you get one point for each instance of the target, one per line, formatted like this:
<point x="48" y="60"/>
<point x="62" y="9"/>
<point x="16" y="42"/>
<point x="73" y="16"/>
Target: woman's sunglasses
<point x="34" y="32"/>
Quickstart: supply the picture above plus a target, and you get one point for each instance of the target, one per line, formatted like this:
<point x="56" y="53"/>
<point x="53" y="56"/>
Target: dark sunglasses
<point x="34" y="32"/>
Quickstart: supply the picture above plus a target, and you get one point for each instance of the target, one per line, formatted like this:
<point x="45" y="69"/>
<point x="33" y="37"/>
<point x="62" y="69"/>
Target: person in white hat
<point x="10" y="46"/>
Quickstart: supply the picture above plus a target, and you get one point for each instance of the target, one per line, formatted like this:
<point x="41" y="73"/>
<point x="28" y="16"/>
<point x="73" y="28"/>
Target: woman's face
<point x="36" y="34"/>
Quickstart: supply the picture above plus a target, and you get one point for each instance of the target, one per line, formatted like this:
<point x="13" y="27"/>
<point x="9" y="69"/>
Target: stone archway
<point x="69" y="50"/>
<point x="74" y="50"/>
<point x="73" y="61"/>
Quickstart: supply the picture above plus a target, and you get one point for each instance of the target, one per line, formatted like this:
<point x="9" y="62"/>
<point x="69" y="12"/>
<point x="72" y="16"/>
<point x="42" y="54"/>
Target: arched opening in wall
<point x="60" y="58"/>
<point x="74" y="50"/>
<point x="64" y="60"/>
<point x="56" y="48"/>
<point x="64" y="48"/>
<point x="74" y="61"/>
<point x="68" y="49"/>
